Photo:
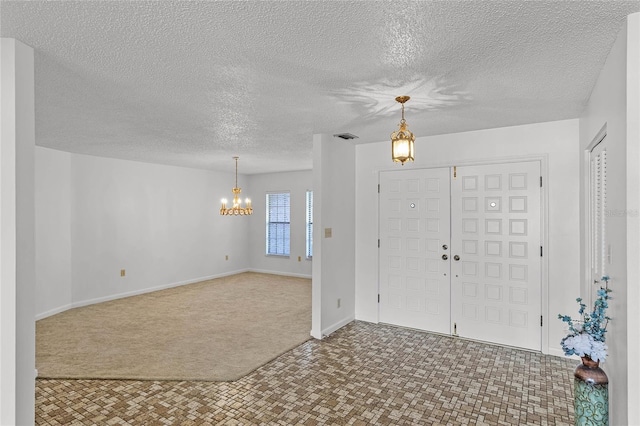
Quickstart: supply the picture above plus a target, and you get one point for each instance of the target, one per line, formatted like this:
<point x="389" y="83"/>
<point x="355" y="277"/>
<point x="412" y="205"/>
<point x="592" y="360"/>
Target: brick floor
<point x="362" y="374"/>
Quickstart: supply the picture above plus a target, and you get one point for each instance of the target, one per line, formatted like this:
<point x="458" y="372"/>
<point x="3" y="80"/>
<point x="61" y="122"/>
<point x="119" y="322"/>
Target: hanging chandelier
<point x="237" y="208"/>
<point x="402" y="139"/>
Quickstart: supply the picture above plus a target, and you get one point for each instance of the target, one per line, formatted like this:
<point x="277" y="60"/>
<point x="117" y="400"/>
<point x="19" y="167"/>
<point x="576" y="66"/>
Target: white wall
<point x="633" y="204"/>
<point x="297" y="184"/>
<point x="17" y="236"/>
<point x="53" y="230"/>
<point x="614" y="103"/>
<point x="333" y="257"/>
<point x="159" y="223"/>
<point x="557" y="141"/>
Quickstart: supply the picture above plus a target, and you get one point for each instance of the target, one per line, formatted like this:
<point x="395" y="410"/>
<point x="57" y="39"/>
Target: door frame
<point x="544" y="225"/>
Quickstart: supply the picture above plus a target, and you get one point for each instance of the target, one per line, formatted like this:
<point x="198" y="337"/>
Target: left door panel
<point x="414" y="249"/>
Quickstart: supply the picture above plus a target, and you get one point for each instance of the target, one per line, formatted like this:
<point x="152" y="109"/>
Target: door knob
<point x="445" y="257"/>
<point x="456" y="257"/>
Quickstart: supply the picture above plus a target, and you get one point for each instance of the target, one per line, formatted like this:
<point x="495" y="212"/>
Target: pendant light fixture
<point x="237" y="208"/>
<point x="402" y="139"/>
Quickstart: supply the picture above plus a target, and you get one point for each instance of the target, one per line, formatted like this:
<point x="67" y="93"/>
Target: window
<point x="278" y="224"/>
<point x="309" y="224"/>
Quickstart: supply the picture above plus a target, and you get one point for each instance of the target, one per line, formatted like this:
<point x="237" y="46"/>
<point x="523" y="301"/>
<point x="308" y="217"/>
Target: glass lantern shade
<point x="402" y="144"/>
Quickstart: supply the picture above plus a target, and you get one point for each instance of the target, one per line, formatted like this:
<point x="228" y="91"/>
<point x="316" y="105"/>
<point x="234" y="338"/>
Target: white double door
<point x="460" y="251"/>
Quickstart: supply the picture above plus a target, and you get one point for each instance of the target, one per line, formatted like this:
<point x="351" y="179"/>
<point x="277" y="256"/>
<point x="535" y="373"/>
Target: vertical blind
<point x="309" y="224"/>
<point x="598" y="206"/>
<point x="278" y="223"/>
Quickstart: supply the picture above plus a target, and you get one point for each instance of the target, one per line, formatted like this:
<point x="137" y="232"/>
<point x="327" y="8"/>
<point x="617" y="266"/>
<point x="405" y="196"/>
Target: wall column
<point x="333" y="269"/>
<point x="17" y="241"/>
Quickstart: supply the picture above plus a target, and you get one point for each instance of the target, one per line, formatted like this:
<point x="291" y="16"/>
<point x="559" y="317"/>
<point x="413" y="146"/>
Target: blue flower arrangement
<point x="586" y="336"/>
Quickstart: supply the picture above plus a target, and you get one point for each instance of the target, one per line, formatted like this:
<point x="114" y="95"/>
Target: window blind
<point x="278" y="224"/>
<point x="598" y="207"/>
<point x="309" y="224"/>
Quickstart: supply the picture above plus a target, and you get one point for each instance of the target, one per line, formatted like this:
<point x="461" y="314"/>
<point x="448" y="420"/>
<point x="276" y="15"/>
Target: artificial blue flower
<point x="587" y="336"/>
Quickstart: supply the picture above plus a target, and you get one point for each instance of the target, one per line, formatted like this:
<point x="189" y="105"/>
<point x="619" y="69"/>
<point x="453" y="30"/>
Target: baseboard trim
<point x="286" y="274"/>
<point x="338" y="325"/>
<point x="88" y="302"/>
<point x="54" y="311"/>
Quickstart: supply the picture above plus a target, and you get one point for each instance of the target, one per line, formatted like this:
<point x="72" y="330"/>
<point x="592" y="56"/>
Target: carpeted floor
<point x="216" y="330"/>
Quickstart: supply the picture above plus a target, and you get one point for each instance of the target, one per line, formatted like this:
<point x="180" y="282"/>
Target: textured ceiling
<point x="193" y="83"/>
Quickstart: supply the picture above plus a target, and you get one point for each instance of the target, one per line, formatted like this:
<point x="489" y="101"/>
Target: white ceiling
<point x="194" y="83"/>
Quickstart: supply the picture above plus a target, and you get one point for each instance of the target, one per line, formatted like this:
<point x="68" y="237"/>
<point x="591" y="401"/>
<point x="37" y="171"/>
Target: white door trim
<point x="544" y="225"/>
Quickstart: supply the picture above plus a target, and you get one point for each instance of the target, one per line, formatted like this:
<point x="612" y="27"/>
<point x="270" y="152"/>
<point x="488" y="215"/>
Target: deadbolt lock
<point x="444" y="247"/>
<point x="445" y="257"/>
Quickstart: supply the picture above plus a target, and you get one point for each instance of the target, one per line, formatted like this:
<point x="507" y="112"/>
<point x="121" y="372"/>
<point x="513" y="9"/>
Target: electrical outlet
<point x="339" y="301"/>
<point x="122" y="272"/>
<point x="226" y="257"/>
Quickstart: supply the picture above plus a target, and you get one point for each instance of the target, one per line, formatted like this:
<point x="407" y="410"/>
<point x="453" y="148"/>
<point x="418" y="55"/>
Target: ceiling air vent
<point x="346" y="136"/>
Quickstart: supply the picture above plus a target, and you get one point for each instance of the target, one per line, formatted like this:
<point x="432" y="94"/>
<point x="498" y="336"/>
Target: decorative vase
<point x="591" y="394"/>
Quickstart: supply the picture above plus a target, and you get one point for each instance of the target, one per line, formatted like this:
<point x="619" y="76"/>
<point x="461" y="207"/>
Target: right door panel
<point x="495" y="242"/>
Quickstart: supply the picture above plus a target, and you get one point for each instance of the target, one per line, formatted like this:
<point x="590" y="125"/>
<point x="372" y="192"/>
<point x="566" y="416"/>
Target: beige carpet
<point x="216" y="330"/>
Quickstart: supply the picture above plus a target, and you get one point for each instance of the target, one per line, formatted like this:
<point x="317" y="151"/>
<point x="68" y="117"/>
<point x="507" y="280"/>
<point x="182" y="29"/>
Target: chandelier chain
<point x="236" y="158"/>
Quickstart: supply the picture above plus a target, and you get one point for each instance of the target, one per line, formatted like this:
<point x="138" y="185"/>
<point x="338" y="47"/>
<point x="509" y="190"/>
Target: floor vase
<point x="591" y="394"/>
